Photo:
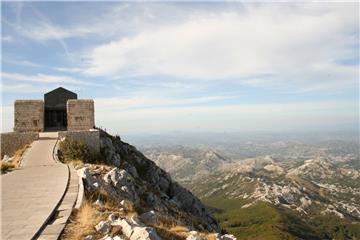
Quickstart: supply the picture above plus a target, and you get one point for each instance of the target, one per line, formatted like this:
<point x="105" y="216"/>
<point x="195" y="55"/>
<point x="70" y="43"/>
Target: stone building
<point x="59" y="111"/>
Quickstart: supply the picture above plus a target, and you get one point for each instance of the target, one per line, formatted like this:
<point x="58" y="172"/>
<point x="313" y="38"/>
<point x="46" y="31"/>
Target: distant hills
<point x="301" y="192"/>
<point x="315" y="200"/>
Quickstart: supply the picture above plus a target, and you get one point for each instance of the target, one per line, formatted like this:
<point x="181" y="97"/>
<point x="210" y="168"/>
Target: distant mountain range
<point x="314" y="194"/>
<point x="186" y="164"/>
<point x="311" y="193"/>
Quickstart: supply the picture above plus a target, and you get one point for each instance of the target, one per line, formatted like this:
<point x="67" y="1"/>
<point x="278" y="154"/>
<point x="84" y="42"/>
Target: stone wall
<point x="80" y="115"/>
<point x="29" y="116"/>
<point x="10" y="142"/>
<point x="90" y="137"/>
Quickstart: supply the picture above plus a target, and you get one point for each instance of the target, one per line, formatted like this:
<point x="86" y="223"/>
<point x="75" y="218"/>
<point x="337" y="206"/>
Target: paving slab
<point x="30" y="194"/>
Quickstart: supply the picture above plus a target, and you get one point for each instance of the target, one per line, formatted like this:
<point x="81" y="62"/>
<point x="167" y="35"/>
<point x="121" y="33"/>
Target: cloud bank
<point x="263" y="45"/>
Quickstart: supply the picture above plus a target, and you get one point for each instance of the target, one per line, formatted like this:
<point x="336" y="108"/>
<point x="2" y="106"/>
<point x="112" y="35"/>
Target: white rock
<point x="228" y="237"/>
<point x="144" y="233"/>
<point x="136" y="222"/>
<point x="89" y="237"/>
<point x="6" y="158"/>
<point x="194" y="235"/>
<point x="122" y="211"/>
<point x="127" y="204"/>
<point x="106" y="237"/>
<point x="116" y="177"/>
<point x="103" y="227"/>
<point x="99" y="202"/>
<point x="85" y="174"/>
<point x="118" y="238"/>
<point x="127" y="228"/>
<point x="217" y="236"/>
<point x="124" y="189"/>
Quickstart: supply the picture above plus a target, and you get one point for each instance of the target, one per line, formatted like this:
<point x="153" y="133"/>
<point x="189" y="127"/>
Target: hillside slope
<point x="315" y="200"/>
<point x="134" y="198"/>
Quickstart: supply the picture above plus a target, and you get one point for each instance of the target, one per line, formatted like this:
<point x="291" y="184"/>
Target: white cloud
<point x="7" y="39"/>
<point x="43" y="78"/>
<point x="24" y="63"/>
<point x="293" y="45"/>
<point x="23" y="88"/>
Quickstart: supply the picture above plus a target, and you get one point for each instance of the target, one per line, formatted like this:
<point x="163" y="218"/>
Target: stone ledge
<point x="12" y="141"/>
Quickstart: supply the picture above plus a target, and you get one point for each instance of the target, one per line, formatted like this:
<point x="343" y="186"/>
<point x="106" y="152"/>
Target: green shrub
<point x="70" y="150"/>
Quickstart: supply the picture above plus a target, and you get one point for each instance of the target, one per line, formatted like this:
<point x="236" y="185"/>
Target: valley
<point x="272" y="189"/>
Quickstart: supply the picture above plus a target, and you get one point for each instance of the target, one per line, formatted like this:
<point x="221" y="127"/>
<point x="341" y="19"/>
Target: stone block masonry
<point x="90" y="137"/>
<point x="29" y="116"/>
<point x="10" y="142"/>
<point x="80" y="115"/>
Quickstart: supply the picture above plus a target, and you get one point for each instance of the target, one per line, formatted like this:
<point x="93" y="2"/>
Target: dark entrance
<point x="55" y="118"/>
<point x="55" y="108"/>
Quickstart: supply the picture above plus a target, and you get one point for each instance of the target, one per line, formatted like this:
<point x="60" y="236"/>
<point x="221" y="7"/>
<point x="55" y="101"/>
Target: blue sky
<point x="159" y="67"/>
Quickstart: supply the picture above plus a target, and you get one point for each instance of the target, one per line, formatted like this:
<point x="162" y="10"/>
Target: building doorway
<point x="55" y="109"/>
<point x="55" y="119"/>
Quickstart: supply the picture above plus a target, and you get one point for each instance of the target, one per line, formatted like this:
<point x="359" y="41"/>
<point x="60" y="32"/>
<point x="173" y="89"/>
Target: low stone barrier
<point x="12" y="141"/>
<point x="90" y="137"/>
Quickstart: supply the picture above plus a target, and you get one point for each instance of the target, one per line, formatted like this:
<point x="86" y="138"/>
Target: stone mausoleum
<point x="61" y="110"/>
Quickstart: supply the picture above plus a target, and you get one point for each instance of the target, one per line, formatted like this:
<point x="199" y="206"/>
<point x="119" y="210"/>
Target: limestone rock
<point x="6" y="158"/>
<point x="103" y="227"/>
<point x="126" y="204"/>
<point x="89" y="237"/>
<point x="127" y="228"/>
<point x="123" y="181"/>
<point x="85" y="174"/>
<point x="144" y="233"/>
<point x="98" y="202"/>
<point x="118" y="238"/>
<point x="194" y="235"/>
<point x="110" y="151"/>
<point x="138" y="177"/>
<point x="228" y="237"/>
<point x="117" y="177"/>
<point x="106" y="237"/>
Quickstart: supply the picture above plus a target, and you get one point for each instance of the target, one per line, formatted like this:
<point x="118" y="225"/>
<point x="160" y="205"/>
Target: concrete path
<point x="31" y="193"/>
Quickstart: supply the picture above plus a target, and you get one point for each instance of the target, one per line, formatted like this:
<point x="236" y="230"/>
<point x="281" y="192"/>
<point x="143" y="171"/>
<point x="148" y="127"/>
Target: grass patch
<point x="83" y="222"/>
<point x="171" y="231"/>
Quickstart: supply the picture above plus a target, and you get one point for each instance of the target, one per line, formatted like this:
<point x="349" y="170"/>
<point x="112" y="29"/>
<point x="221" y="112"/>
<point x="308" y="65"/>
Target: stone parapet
<point x="12" y="141"/>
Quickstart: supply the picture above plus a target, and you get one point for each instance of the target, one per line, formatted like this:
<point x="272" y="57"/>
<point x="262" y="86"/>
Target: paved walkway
<point x="31" y="193"/>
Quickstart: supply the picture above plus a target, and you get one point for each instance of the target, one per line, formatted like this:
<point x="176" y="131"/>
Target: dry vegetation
<point x="82" y="222"/>
<point x="15" y="162"/>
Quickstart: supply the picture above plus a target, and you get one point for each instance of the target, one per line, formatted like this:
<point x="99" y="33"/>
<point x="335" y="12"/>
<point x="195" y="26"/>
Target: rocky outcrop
<point x="146" y="197"/>
<point x="140" y="180"/>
